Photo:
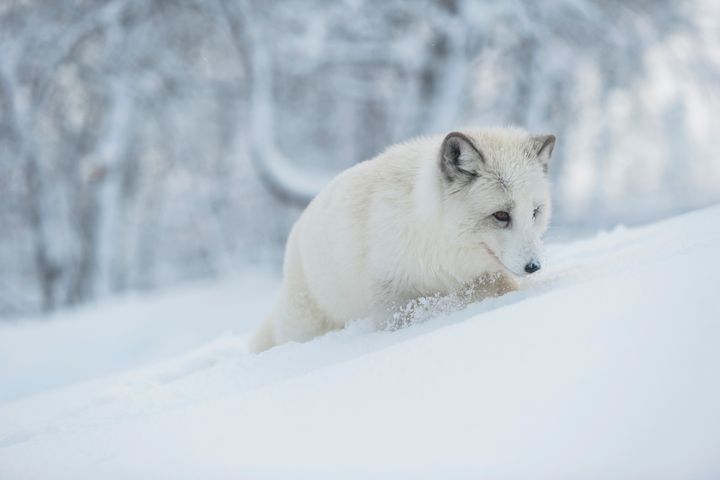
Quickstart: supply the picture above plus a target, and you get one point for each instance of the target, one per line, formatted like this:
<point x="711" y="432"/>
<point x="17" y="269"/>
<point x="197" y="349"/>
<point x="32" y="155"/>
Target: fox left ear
<point x="460" y="158"/>
<point x="542" y="146"/>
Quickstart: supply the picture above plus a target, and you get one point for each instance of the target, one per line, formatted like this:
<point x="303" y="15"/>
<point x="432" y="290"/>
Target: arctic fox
<point x="426" y="217"/>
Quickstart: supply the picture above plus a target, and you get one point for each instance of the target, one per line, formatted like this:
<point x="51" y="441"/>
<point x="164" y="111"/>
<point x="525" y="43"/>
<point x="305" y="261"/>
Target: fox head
<point x="498" y="194"/>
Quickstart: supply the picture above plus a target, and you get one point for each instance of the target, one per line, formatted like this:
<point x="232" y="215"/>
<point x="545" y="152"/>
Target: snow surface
<point x="606" y="366"/>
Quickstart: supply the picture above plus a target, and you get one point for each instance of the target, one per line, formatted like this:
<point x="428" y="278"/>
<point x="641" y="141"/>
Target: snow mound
<point x="605" y="366"/>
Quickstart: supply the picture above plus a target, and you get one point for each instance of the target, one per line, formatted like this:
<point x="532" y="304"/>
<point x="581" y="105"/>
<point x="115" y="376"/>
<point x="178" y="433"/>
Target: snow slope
<point x="606" y="366"/>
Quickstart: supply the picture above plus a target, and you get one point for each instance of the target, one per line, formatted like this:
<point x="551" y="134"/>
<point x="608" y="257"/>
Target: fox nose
<point x="532" y="266"/>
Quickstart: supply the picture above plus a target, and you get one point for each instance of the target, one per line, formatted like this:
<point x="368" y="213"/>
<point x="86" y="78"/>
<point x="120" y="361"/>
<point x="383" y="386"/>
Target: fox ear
<point x="542" y="147"/>
<point x="460" y="159"/>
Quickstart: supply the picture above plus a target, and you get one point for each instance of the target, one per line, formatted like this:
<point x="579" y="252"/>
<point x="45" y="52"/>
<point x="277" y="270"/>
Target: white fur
<point x="394" y="228"/>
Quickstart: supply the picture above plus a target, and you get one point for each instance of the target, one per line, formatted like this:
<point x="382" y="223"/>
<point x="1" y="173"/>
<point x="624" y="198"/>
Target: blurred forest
<point x="147" y="142"/>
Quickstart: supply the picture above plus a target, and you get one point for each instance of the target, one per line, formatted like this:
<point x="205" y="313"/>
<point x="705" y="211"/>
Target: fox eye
<point x="535" y="212"/>
<point x="503" y="217"/>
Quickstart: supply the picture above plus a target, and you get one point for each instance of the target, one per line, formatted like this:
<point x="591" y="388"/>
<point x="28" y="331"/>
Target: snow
<point x="605" y="366"/>
<point x="127" y="333"/>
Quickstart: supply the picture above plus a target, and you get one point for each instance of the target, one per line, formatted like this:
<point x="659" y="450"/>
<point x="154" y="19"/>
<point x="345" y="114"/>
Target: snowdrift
<point x="605" y="366"/>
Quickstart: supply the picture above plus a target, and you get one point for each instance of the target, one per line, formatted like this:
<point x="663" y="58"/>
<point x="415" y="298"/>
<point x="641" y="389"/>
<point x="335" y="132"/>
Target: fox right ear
<point x="543" y="146"/>
<point x="460" y="159"/>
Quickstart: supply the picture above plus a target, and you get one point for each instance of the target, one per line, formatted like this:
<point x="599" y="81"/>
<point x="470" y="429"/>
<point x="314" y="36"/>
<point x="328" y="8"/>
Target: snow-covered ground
<point x="606" y="366"/>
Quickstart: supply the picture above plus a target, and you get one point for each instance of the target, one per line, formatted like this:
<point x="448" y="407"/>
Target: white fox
<point x="425" y="217"/>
